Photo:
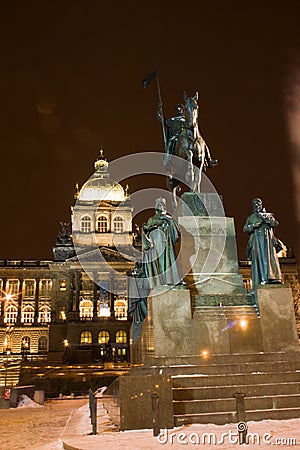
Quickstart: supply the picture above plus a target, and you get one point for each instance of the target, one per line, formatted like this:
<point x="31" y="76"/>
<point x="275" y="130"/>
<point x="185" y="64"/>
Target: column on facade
<point x="76" y="290"/>
<point x="20" y="301"/>
<point x="2" y="312"/>
<point x="112" y="298"/>
<point x="36" y="300"/>
<point x="95" y="295"/>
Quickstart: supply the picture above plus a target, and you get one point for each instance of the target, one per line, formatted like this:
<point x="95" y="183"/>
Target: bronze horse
<point x="190" y="149"/>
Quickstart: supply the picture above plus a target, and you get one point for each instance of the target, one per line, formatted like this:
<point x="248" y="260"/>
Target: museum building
<point x="74" y="309"/>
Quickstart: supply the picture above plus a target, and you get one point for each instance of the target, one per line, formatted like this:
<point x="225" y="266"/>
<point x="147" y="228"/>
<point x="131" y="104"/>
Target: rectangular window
<point x="29" y="288"/>
<point x="28" y="314"/>
<point x="62" y="285"/>
<point x="247" y="283"/>
<point x="45" y="288"/>
<point x="12" y="287"/>
<point x="11" y="315"/>
<point x="62" y="313"/>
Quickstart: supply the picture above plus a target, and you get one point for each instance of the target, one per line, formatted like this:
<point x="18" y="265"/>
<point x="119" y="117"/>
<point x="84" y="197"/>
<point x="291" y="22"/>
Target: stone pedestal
<point x="210" y="331"/>
<point x="213" y="313"/>
<point x="277" y="318"/>
<point x="208" y="255"/>
<point x="170" y="318"/>
<point x="136" y="406"/>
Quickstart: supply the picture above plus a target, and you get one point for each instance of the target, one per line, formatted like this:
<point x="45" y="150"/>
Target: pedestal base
<point x="170" y="319"/>
<point x="277" y="318"/>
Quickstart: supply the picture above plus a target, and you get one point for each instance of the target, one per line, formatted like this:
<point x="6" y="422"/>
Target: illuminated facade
<point x="74" y="309"/>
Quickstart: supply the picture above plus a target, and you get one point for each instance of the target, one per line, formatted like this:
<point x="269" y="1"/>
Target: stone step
<point x="213" y="392"/>
<point x="229" y="404"/>
<point x="224" y="358"/>
<point x="202" y="380"/>
<point x="234" y="368"/>
<point x="223" y="418"/>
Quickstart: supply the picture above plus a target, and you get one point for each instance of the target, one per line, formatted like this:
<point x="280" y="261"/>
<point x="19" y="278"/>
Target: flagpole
<point x="160" y="105"/>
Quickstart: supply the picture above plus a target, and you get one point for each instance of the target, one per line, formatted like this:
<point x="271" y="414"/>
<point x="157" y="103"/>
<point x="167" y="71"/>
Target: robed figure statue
<point x="262" y="245"/>
<point x="159" y="236"/>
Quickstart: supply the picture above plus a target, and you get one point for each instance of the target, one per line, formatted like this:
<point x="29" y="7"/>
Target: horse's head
<point x="191" y="109"/>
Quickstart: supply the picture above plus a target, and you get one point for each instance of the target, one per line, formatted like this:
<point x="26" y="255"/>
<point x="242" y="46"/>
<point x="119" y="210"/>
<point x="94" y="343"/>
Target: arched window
<point x="27" y="314"/>
<point x="25" y="343"/>
<point x="103" y="337"/>
<point x="118" y="224"/>
<point x="11" y="314"/>
<point x="86" y="224"/>
<point x="86" y="337"/>
<point x="102" y="224"/>
<point x="44" y="314"/>
<point x="86" y="308"/>
<point x="121" y="337"/>
<point x="43" y="344"/>
<point x="121" y="309"/>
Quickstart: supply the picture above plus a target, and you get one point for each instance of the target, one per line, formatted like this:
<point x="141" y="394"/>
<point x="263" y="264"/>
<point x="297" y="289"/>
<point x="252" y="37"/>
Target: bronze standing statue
<point x="159" y="236"/>
<point x="185" y="141"/>
<point x="262" y="245"/>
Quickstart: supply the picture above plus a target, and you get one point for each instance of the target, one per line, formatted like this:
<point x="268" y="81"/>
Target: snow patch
<point x="26" y="402"/>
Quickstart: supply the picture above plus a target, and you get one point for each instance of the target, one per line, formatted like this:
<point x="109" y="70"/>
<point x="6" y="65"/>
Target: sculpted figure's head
<point x="179" y="109"/>
<point x="161" y="205"/>
<point x="257" y="204"/>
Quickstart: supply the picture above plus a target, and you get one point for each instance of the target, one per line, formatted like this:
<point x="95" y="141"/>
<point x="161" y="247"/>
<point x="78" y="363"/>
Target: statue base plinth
<point x="170" y="320"/>
<point x="277" y="318"/>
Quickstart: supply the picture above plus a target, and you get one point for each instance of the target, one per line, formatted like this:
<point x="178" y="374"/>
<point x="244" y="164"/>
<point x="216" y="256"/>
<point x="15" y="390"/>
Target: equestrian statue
<point x="186" y="152"/>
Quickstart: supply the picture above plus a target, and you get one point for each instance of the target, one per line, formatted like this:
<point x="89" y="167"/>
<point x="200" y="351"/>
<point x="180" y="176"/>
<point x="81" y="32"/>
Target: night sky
<point x="70" y="82"/>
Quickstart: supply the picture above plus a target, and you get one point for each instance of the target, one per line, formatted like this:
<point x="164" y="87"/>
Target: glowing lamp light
<point x="205" y="354"/>
<point x="244" y="324"/>
<point x="66" y="342"/>
<point x="104" y="311"/>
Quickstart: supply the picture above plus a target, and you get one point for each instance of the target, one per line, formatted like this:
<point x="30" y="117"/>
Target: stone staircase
<point x="204" y="388"/>
<point x="204" y="393"/>
<point x="10" y="371"/>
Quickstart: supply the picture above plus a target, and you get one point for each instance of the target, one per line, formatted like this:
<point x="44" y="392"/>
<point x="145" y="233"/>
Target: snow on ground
<point x="26" y="402"/>
<point x="68" y="421"/>
<point x="269" y="432"/>
<point x="36" y="428"/>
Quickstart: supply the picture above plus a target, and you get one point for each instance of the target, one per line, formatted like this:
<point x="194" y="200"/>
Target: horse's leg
<point x="198" y="165"/>
<point x="198" y="176"/>
<point x="174" y="187"/>
<point x="189" y="176"/>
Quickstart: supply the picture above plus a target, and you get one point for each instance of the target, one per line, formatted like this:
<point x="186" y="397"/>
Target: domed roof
<point x="100" y="187"/>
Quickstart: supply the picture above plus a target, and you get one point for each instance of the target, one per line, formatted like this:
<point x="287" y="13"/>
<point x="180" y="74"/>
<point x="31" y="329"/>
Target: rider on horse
<point x="174" y="126"/>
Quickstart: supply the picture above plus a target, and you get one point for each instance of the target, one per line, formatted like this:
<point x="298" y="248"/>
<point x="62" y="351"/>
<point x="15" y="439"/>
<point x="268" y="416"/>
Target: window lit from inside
<point x="102" y="224"/>
<point x="121" y="337"/>
<point x="28" y="314"/>
<point x="86" y="337"/>
<point x="86" y="224"/>
<point x="103" y="337"/>
<point x="118" y="225"/>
